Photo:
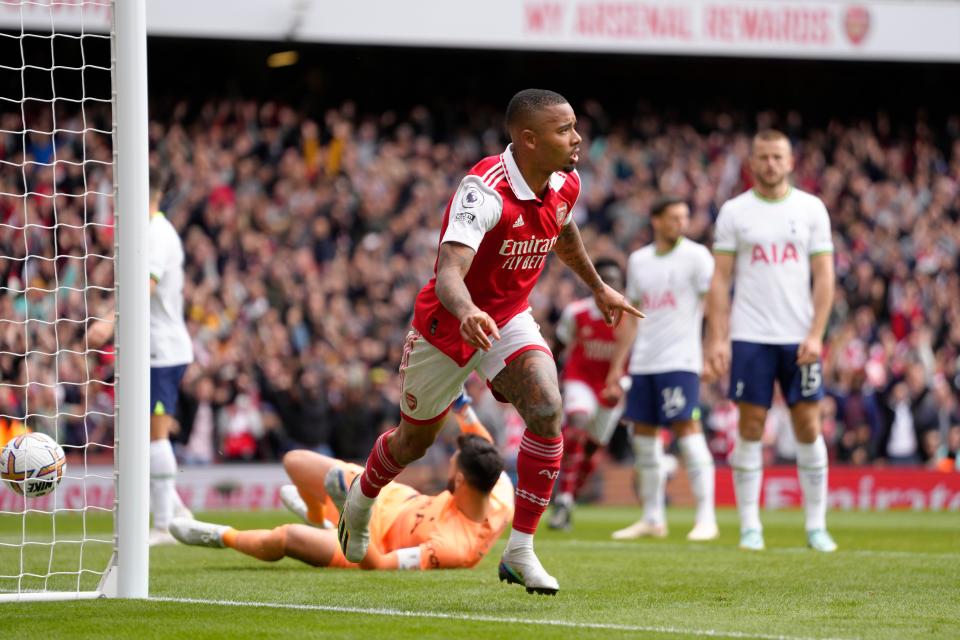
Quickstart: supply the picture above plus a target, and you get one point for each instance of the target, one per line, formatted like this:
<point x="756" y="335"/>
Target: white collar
<point x="514" y="178"/>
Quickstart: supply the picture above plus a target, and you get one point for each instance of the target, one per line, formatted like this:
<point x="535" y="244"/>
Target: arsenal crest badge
<point x="856" y="22"/>
<point x="411" y="401"/>
<point x="562" y="210"/>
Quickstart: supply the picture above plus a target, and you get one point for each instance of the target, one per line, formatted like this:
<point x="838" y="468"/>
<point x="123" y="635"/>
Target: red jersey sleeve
<point x="570" y="193"/>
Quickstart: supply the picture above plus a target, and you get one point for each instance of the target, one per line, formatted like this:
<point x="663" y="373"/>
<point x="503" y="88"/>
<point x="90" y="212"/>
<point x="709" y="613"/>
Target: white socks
<point x="649" y="454"/>
<point x="163" y="471"/>
<point x="518" y="542"/>
<point x="178" y="507"/>
<point x="747" y="463"/>
<point x="812" y="470"/>
<point x="700" y="472"/>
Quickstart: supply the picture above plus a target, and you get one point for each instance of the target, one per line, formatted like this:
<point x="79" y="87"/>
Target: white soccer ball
<point x="32" y="464"/>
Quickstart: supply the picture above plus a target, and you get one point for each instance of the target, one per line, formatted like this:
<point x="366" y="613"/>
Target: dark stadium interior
<point x="380" y="78"/>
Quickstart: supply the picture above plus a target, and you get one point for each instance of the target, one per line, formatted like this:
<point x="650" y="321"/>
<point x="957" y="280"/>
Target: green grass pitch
<point x="897" y="575"/>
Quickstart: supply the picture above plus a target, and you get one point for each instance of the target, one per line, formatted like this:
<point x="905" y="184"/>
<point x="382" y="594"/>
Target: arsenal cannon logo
<point x="856" y="22"/>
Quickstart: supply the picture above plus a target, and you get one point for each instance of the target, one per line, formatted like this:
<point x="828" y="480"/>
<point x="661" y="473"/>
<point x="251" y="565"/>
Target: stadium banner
<point x="909" y="30"/>
<point x="253" y="487"/>
<point x="856" y="489"/>
<point x="894" y="30"/>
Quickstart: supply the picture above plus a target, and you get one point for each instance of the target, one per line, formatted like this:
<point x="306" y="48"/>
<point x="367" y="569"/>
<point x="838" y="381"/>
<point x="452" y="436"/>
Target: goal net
<point x="58" y="267"/>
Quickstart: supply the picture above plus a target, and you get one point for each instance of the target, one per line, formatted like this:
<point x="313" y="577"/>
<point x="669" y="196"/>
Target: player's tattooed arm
<point x="570" y="249"/>
<point x="453" y="263"/>
<point x="452" y="267"/>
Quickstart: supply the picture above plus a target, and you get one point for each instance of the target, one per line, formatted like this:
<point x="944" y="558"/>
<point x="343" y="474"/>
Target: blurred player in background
<point x="409" y="530"/>
<point x="171" y="351"/>
<point x="591" y="413"/>
<point x="775" y="238"/>
<point x="667" y="279"/>
<point x="508" y="214"/>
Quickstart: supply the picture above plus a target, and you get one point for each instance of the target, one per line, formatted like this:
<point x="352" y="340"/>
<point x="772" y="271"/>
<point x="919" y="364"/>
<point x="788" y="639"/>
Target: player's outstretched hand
<point x="476" y="328"/>
<point x="612" y="305"/>
<point x="809" y="350"/>
<point x="716" y="360"/>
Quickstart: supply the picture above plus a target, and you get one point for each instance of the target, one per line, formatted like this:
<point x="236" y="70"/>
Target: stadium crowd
<point x="308" y="236"/>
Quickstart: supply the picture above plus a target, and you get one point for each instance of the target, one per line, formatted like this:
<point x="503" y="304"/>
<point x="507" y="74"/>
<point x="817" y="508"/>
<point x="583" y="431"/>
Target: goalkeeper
<point x="408" y="530"/>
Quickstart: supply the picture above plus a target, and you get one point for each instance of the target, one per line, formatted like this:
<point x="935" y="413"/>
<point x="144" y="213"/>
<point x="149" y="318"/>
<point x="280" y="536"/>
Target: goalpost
<point x="73" y="250"/>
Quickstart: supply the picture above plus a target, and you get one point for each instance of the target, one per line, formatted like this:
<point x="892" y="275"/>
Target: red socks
<point x="588" y="463"/>
<point x="538" y="465"/>
<point x="381" y="467"/>
<point x="573" y="446"/>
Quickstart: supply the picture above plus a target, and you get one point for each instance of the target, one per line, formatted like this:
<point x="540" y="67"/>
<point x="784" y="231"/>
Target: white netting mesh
<point x="56" y="280"/>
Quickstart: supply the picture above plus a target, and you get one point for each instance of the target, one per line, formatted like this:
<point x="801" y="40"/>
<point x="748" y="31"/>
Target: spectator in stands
<point x="911" y="413"/>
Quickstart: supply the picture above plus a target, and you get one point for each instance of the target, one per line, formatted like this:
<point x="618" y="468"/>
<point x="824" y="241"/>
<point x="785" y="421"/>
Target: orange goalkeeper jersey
<point x="403" y="518"/>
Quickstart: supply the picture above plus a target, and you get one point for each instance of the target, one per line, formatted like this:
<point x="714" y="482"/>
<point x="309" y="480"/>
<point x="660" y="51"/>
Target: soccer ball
<point x="32" y="464"/>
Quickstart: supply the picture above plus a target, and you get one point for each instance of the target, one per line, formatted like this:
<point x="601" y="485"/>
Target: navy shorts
<point x="165" y="389"/>
<point x="755" y="367"/>
<point x="661" y="399"/>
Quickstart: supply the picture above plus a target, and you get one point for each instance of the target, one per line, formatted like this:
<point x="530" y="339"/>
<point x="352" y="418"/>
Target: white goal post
<point x="129" y="39"/>
<point x="73" y="250"/>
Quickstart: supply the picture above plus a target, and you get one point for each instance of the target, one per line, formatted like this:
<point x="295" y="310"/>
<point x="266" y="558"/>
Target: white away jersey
<point x="773" y="242"/>
<point x="169" y="341"/>
<point x="669" y="289"/>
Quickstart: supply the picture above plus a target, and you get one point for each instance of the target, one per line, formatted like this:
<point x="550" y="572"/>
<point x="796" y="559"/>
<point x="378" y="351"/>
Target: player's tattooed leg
<point x="530" y="384"/>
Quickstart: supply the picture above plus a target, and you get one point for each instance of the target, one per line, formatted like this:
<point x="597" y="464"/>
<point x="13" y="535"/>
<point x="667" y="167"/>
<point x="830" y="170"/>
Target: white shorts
<point x="579" y="397"/>
<point x="430" y="380"/>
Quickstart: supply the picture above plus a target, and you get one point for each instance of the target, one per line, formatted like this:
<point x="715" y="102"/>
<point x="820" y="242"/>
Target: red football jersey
<point x="513" y="231"/>
<point x="582" y="325"/>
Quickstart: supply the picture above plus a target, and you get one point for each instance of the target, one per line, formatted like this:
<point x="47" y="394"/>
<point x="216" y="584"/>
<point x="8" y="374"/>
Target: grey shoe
<point x="335" y="484"/>
<point x="197" y="533"/>
<point x="353" y="530"/>
<point x="562" y="517"/>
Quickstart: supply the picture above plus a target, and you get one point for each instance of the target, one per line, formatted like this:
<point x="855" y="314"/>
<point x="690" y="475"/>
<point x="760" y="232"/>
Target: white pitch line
<point x="708" y="546"/>
<point x="610" y="544"/>
<point x="439" y="615"/>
